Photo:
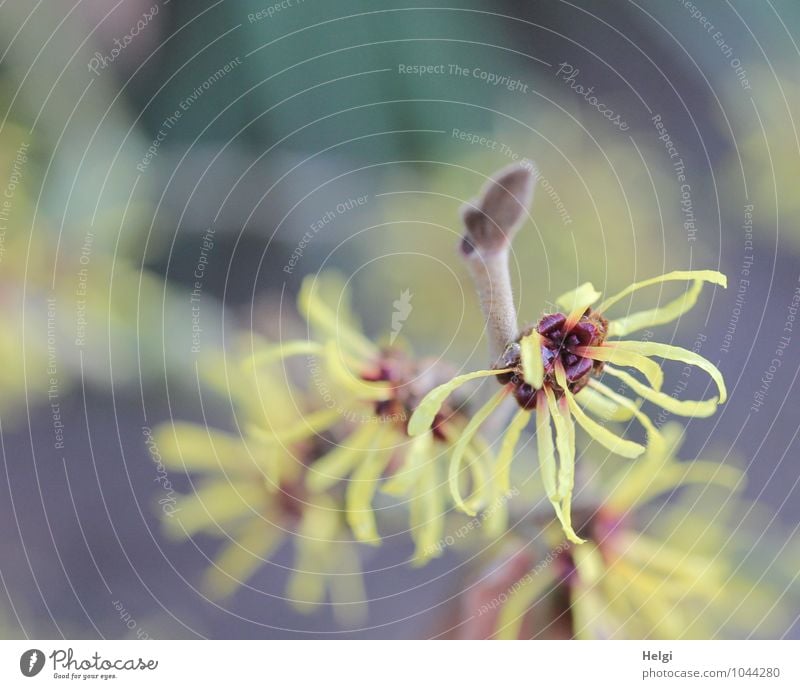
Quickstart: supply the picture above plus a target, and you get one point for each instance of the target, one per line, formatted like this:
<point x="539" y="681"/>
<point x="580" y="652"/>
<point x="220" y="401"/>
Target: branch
<point x="490" y="224"/>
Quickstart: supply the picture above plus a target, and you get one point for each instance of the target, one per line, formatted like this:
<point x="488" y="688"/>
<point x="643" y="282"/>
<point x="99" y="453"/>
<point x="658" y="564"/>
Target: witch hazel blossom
<point x="639" y="578"/>
<point x="553" y="369"/>
<point x="376" y="388"/>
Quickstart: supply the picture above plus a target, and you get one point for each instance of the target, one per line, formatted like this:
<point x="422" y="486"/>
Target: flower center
<point x="410" y="382"/>
<point x="559" y="344"/>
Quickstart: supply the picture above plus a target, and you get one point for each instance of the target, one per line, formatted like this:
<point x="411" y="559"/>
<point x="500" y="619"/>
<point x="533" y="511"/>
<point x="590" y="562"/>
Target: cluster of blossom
<point x="403" y="436"/>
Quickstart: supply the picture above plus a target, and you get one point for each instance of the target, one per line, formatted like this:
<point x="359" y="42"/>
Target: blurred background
<point x="171" y="170"/>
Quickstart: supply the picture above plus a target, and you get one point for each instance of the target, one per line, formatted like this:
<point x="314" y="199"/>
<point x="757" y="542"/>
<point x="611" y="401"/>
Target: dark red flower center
<point x="409" y="381"/>
<point x="560" y="343"/>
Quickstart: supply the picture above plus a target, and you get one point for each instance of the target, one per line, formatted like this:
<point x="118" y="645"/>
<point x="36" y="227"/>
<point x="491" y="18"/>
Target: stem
<point x="490" y="224"/>
<point x="493" y="282"/>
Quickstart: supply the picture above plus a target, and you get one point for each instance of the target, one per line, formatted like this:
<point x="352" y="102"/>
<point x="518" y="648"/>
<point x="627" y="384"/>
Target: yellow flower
<point x="249" y="489"/>
<point x="552" y="368"/>
<point x="371" y="391"/>
<point x="652" y="568"/>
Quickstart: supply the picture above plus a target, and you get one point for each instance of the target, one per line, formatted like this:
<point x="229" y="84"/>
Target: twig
<point x="490" y="224"/>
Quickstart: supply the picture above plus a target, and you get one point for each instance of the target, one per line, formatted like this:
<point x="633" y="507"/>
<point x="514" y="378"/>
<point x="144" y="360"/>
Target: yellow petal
<point x="238" y="560"/>
<point x="546" y="450"/>
<point x="346" y="585"/>
<point x="191" y="447"/>
<point x="656" y="444"/>
<point x="711" y="276"/>
<point x="524" y="594"/>
<point x="603" y="407"/>
<point x="423" y="417"/>
<point x="460" y="447"/>
<point x="673" y="353"/>
<point x="506" y="454"/>
<point x="324" y="302"/>
<point x="657" y="316"/>
<point x="478" y="477"/>
<point x="613" y="353"/>
<point x="339" y="462"/>
<point x="309" y="425"/>
<point x="565" y="442"/>
<point x="700" y="409"/>
<point x="343" y="376"/>
<point x="531" y="356"/>
<point x="578" y="299"/>
<point x="214" y="505"/>
<point x="609" y="440"/>
<point x="679" y="474"/>
<point x="360" y="491"/>
<point x="313" y="543"/>
<point x="589" y="563"/>
<point x="266" y="356"/>
<point x="419" y="453"/>
<point x="427" y="509"/>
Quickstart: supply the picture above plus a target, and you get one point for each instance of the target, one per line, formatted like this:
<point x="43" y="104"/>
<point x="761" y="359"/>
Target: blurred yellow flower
<point x="649" y="568"/>
<point x="250" y="490"/>
<point x="372" y="391"/>
<point x="553" y="367"/>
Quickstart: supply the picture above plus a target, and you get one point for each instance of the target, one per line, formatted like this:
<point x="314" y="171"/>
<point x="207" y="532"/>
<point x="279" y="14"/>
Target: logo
<point x="402" y="310"/>
<point x="31" y="662"/>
